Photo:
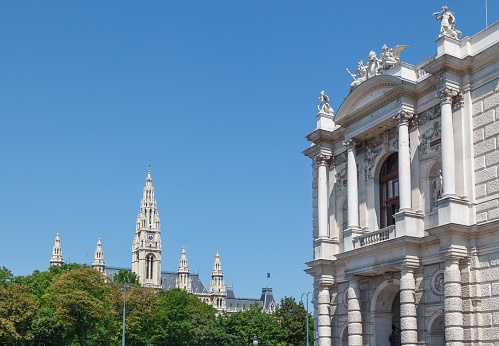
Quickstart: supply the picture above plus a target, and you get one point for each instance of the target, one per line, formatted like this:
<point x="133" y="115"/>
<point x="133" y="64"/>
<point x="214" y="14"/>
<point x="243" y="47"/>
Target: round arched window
<point x="389" y="190"/>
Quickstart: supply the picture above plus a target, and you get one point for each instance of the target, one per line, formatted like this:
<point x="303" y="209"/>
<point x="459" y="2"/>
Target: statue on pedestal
<point x="390" y="56"/>
<point x="437" y="187"/>
<point x="359" y="76"/>
<point x="324" y="106"/>
<point x="448" y="23"/>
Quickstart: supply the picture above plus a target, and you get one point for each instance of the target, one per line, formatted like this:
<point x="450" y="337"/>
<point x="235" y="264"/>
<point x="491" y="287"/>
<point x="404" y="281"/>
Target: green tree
<point x="125" y="273"/>
<point x="292" y="317"/>
<point x="246" y="324"/>
<point x="5" y="276"/>
<point x="17" y="308"/>
<point x="78" y="298"/>
<point x="46" y="325"/>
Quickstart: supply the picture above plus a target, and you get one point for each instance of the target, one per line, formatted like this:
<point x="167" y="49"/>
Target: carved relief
<point x="430" y="140"/>
<point x="341" y="179"/>
<point x="437" y="282"/>
<point x="428" y="115"/>
<point x="340" y="158"/>
<point x="387" y="140"/>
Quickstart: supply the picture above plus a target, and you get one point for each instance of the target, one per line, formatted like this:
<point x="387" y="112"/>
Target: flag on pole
<point x="268" y="275"/>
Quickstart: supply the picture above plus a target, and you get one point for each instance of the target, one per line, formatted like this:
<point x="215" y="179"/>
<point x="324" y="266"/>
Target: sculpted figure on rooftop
<point x="388" y="58"/>
<point x="359" y="76"/>
<point x="324" y="106"/>
<point x="448" y="23"/>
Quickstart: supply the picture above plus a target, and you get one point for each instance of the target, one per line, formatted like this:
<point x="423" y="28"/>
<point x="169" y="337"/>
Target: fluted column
<point x="354" y="315"/>
<point x="453" y="305"/>
<point x="322" y="205"/>
<point x="324" y="320"/>
<point x="448" y="162"/>
<point x="404" y="157"/>
<point x="353" y="189"/>
<point x="408" y="323"/>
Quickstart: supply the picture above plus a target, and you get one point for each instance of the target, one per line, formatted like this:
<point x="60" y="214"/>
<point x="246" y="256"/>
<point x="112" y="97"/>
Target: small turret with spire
<point x="217" y="285"/>
<point x="183" y="279"/>
<point x="56" y="259"/>
<point x="98" y="262"/>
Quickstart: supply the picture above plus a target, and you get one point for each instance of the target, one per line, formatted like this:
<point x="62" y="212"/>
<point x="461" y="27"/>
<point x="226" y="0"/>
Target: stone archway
<point x="436" y="329"/>
<point x="384" y="312"/>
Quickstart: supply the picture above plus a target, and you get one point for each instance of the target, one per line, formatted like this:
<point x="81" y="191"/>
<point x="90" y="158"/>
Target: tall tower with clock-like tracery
<point x="146" y="246"/>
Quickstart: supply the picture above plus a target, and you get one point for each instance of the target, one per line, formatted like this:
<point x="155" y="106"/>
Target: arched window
<point x="389" y="190"/>
<point x="149" y="266"/>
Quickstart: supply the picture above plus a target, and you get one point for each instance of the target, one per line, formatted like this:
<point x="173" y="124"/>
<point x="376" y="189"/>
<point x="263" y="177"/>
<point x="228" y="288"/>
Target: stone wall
<point x="486" y="139"/>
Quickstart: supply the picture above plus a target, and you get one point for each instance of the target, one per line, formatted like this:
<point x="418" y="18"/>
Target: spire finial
<point x="149" y="170"/>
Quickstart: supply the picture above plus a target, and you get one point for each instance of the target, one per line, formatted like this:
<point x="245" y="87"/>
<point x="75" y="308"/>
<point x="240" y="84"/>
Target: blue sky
<point x="218" y="95"/>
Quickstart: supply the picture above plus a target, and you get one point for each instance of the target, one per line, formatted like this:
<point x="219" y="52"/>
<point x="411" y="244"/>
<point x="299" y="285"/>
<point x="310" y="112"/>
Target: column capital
<point x="454" y="253"/>
<point x="404" y="117"/>
<point x="409" y="263"/>
<point x="445" y="94"/>
<point x="322" y="159"/>
<point x="350" y="144"/>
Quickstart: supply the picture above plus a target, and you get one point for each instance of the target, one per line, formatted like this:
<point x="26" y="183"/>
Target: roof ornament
<point x="389" y="57"/>
<point x="447" y="23"/>
<point x="324" y="106"/>
<point x="149" y="170"/>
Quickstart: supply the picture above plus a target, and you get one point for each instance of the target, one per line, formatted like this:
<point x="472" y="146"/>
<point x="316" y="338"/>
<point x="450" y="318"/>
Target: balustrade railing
<point x="375" y="237"/>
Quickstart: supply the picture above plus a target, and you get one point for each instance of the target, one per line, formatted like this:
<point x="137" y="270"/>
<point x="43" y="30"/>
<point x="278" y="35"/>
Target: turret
<point x="56" y="259"/>
<point x="98" y="262"/>
<point x="183" y="279"/>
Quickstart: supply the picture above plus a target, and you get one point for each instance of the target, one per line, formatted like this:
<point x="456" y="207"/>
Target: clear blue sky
<point x="217" y="94"/>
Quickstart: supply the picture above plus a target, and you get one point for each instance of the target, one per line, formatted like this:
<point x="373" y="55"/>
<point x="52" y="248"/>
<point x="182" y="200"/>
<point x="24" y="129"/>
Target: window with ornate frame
<point x="389" y="190"/>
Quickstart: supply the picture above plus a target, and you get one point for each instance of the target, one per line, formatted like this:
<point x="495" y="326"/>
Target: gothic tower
<point x="217" y="285"/>
<point x="98" y="262"/>
<point x="56" y="259"/>
<point x="183" y="279"/>
<point x="146" y="246"/>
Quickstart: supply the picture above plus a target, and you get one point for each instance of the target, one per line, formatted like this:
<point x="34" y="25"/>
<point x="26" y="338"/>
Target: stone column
<point x="353" y="189"/>
<point x="322" y="205"/>
<point x="324" y="319"/>
<point x="404" y="157"/>
<point x="354" y="315"/>
<point x="453" y="305"/>
<point x="408" y="322"/>
<point x="448" y="163"/>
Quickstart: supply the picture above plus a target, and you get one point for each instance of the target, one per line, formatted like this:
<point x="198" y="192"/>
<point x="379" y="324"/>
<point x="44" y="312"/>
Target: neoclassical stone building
<point x="146" y="263"/>
<point x="406" y="196"/>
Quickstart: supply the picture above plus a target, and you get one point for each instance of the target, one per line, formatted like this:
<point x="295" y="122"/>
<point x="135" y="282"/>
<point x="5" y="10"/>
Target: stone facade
<point x="405" y="204"/>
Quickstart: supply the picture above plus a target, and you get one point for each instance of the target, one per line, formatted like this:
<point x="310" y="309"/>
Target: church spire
<point x="217" y="285"/>
<point x="183" y="279"/>
<point x="146" y="246"/>
<point x="98" y="262"/>
<point x="56" y="259"/>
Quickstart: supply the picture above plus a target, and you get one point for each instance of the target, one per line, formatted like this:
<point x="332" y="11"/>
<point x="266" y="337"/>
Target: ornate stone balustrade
<point x="375" y="237"/>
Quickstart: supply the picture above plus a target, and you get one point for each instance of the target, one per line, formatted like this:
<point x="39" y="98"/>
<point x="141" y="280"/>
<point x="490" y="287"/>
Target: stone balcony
<point x="374" y="237"/>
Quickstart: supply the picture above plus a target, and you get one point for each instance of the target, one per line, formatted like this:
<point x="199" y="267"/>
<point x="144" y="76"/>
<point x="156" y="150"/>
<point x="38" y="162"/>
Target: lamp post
<point x="306" y="294"/>
<point x="125" y="286"/>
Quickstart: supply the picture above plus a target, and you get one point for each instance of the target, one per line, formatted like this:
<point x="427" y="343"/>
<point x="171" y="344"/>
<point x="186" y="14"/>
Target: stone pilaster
<point x="453" y="305"/>
<point x="322" y="207"/>
<point x="353" y="228"/>
<point x="323" y="316"/>
<point x="448" y="161"/>
<point x="354" y="314"/>
<point x="404" y="158"/>
<point x="408" y="322"/>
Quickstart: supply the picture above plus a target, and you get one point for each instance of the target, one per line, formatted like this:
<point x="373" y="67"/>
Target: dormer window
<point x="389" y="190"/>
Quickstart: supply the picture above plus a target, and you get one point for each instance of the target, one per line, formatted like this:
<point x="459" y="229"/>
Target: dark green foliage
<point x="292" y="317"/>
<point x="125" y="273"/>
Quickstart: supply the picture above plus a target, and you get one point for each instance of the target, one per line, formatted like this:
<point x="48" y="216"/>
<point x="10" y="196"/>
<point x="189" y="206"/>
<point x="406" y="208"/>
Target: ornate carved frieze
<point x="341" y="179"/>
<point x="428" y="115"/>
<point x="387" y="140"/>
<point x="340" y="159"/>
<point x="430" y="140"/>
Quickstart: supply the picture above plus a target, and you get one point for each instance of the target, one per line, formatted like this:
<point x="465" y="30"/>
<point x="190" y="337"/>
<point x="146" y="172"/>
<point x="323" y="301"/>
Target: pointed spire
<point x="98" y="262"/>
<point x="217" y="284"/>
<point x="56" y="259"/>
<point x="183" y="278"/>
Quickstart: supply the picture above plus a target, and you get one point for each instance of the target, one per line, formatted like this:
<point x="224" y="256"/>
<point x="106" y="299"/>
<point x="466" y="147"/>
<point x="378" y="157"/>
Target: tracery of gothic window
<point x="389" y="190"/>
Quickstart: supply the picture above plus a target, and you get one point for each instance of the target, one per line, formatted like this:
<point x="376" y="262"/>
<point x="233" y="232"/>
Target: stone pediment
<point x="367" y="93"/>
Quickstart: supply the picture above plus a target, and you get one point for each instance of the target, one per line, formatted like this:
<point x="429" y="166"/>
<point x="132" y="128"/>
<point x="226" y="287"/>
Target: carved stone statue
<point x="359" y="76"/>
<point x="390" y="56"/>
<point x="448" y="23"/>
<point x="324" y="106"/>
<point x="437" y="186"/>
<point x="373" y="65"/>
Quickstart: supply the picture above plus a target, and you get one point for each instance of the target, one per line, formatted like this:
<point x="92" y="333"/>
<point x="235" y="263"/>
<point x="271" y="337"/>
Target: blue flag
<point x="268" y="275"/>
